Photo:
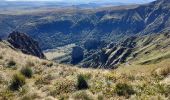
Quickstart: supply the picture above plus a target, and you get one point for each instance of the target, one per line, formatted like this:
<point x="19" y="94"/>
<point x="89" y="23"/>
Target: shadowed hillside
<point x="25" y="43"/>
<point x="140" y="50"/>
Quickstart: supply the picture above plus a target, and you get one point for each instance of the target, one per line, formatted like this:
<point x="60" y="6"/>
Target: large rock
<point x="25" y="43"/>
<point x="77" y="55"/>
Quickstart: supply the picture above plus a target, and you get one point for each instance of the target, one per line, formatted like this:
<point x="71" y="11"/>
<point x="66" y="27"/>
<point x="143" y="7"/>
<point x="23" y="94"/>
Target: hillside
<point x="146" y="49"/>
<point x="50" y="80"/>
<point x="59" y="27"/>
<point x="82" y="53"/>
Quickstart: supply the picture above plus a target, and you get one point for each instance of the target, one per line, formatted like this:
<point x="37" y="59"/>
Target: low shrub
<point x="42" y="81"/>
<point x="17" y="82"/>
<point x="163" y="89"/>
<point x="82" y="83"/>
<point x="63" y="87"/>
<point x="123" y="89"/>
<point x="50" y="64"/>
<point x="27" y="72"/>
<point x="165" y="71"/>
<point x="11" y="63"/>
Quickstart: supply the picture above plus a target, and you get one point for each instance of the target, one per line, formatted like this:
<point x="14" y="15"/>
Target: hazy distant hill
<point x="49" y="4"/>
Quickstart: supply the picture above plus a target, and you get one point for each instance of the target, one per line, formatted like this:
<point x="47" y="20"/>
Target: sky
<point x="87" y="1"/>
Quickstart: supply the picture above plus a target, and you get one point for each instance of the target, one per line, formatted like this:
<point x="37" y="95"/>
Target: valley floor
<point x="50" y="80"/>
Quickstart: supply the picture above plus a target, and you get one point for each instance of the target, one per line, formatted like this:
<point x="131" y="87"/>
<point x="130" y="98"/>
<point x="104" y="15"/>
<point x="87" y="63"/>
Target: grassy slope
<point x="51" y="80"/>
<point x="152" y="49"/>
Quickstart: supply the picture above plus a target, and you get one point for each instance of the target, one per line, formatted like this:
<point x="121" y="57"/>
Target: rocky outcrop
<point x="25" y="43"/>
<point x="107" y="57"/>
<point x="131" y="49"/>
<point x="77" y="55"/>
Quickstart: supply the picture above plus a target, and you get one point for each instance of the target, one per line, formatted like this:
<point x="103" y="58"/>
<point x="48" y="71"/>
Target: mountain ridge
<point x="25" y="43"/>
<point x="139" y="50"/>
<point x="132" y="21"/>
<point x="100" y="24"/>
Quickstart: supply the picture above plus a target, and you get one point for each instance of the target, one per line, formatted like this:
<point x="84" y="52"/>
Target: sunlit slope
<point x="53" y="81"/>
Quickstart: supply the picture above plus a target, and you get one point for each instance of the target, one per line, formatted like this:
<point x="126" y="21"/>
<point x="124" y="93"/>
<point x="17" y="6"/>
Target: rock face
<point x="130" y="49"/>
<point x="25" y="43"/>
<point x="77" y="55"/>
<point x="107" y="58"/>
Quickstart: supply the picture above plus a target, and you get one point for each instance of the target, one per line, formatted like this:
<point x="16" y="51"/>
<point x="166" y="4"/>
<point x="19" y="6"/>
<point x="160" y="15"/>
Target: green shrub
<point x="81" y="83"/>
<point x="17" y="82"/>
<point x="163" y="89"/>
<point x="123" y="89"/>
<point x="27" y="72"/>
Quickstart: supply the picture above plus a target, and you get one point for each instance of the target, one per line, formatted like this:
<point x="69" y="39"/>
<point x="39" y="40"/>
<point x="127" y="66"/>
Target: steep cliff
<point x="25" y="43"/>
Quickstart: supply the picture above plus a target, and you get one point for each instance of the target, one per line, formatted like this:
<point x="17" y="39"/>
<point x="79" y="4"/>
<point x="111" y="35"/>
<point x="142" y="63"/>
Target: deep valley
<point x="91" y="51"/>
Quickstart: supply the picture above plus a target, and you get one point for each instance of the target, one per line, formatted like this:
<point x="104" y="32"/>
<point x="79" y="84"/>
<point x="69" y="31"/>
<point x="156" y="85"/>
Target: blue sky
<point x="122" y="1"/>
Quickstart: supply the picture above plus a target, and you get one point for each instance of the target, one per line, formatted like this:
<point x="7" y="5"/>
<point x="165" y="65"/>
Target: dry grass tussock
<point x="49" y="80"/>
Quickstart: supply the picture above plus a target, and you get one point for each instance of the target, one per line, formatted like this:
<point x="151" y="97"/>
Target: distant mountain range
<point x="80" y="4"/>
<point x="29" y="4"/>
